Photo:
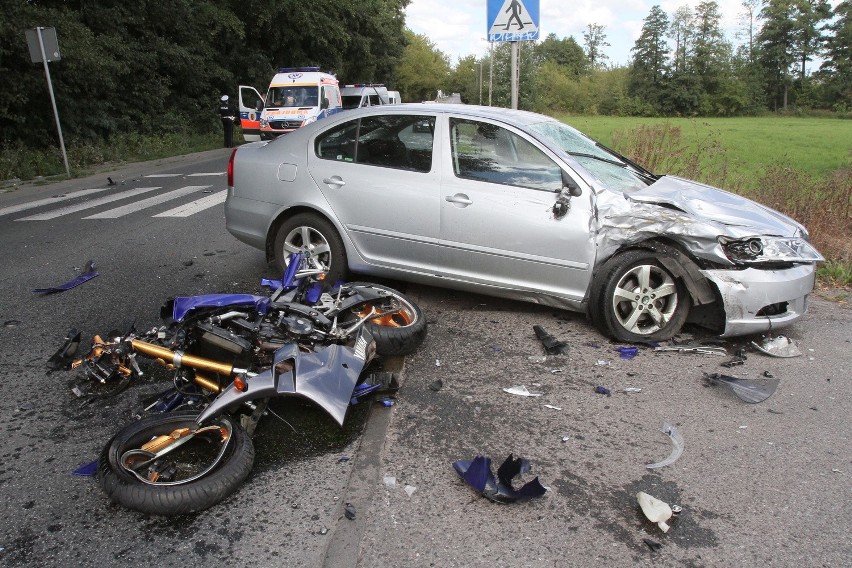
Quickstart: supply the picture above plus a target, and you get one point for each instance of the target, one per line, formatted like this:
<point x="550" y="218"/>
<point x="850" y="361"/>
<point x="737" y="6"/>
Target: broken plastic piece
<point x="702" y="349"/>
<point x="655" y="510"/>
<point x="552" y="407"/>
<point x="603" y="390"/>
<point x="87" y="275"/>
<point x="389" y="481"/>
<point x="677" y="446"/>
<point x="437" y="385"/>
<point x="409" y="490"/>
<point x="87" y="469"/>
<point x="552" y="346"/>
<point x="627" y="352"/>
<point x="477" y="473"/>
<point x="747" y="390"/>
<point x="61" y="360"/>
<point x="521" y="390"/>
<point x="654" y="546"/>
<point x="349" y="511"/>
<point x="630" y="390"/>
<point x="779" y="346"/>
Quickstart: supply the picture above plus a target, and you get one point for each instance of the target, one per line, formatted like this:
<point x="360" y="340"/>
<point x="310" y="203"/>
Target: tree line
<point x="682" y="64"/>
<point x="150" y="67"/>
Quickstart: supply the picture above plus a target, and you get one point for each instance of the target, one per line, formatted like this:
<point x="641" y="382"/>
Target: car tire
<point x="310" y="233"/>
<point x="635" y="298"/>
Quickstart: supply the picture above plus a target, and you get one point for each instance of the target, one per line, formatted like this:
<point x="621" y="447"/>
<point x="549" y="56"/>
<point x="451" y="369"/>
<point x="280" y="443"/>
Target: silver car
<point x="519" y="205"/>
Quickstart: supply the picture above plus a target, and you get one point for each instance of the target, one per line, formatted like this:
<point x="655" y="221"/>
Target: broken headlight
<point x="756" y="250"/>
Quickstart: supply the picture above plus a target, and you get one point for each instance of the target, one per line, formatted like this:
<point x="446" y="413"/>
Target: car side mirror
<point x="325" y="104"/>
<point x="563" y="200"/>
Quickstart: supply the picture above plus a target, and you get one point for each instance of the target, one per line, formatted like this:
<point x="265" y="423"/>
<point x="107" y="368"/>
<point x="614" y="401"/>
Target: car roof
<point x="519" y="118"/>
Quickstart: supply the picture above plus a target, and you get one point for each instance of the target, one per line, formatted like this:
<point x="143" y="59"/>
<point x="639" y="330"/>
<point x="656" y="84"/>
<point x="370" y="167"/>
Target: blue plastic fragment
<point x="627" y="352"/>
<point x="87" y="275"/>
<point x="477" y="473"/>
<point x="184" y="304"/>
<point x="87" y="469"/>
<point x="602" y="390"/>
<point x="313" y="294"/>
<point x="387" y="402"/>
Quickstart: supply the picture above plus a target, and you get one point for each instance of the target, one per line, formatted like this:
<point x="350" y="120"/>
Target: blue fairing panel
<point x="184" y="304"/>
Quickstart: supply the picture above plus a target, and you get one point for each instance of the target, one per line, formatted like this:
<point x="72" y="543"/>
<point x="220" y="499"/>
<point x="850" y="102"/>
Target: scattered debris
<point x="554" y="371"/>
<point x="603" y="390"/>
<point x="109" y="181"/>
<point x="62" y="359"/>
<point x="768" y="375"/>
<point x="739" y="359"/>
<point x="477" y="473"/>
<point x="552" y="407"/>
<point x="437" y="385"/>
<point x="631" y="390"/>
<point x="349" y="511"/>
<point x="627" y="352"/>
<point x="689" y="348"/>
<point x="655" y="510"/>
<point x="552" y="346"/>
<point x="751" y="391"/>
<point x="437" y="362"/>
<point x="87" y="275"/>
<point x="12" y="323"/>
<point x="654" y="546"/>
<point x="389" y="481"/>
<point x="386" y="401"/>
<point x="343" y="459"/>
<point x="779" y="346"/>
<point x="87" y="469"/>
<point x="566" y="438"/>
<point x="602" y="363"/>
<point x="409" y="490"/>
<point x="537" y="358"/>
<point x="677" y="446"/>
<point x="521" y="390"/>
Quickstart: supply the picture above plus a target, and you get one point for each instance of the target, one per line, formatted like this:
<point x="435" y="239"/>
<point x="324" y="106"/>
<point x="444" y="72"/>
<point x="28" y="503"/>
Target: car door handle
<point x="334" y="181"/>
<point x="459" y="198"/>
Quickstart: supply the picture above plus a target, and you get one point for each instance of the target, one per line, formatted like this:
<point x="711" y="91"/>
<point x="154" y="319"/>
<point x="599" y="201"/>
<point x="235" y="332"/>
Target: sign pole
<point x="53" y="101"/>
<point x="515" y="74"/>
<point x="491" y="73"/>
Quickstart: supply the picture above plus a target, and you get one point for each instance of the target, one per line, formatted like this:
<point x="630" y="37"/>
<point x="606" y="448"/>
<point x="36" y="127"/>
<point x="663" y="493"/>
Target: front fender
<point x="326" y="377"/>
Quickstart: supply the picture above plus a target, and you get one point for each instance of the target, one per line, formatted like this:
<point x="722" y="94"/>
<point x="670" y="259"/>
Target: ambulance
<point x="296" y="96"/>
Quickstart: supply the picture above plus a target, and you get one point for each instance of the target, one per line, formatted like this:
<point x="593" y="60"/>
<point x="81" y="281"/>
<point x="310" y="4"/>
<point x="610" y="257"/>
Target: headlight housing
<point x="761" y="250"/>
<point x="264" y="123"/>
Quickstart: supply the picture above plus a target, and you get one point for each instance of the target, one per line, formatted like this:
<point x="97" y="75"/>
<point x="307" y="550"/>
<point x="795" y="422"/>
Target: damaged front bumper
<point x="757" y="300"/>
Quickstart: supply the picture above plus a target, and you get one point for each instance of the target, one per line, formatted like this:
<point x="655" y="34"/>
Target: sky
<point x="458" y="27"/>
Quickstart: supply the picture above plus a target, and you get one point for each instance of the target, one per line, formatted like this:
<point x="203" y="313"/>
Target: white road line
<point x="86" y="205"/>
<point x="50" y="200"/>
<point x="163" y="175"/>
<point x="145" y="203"/>
<point x="206" y="174"/>
<point x="195" y="206"/>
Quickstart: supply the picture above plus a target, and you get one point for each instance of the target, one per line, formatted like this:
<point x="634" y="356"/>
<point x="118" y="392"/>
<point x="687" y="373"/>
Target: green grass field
<point x="817" y="146"/>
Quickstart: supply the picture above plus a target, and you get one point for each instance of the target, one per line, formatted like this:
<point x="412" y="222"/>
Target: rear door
<point x="249" y="115"/>
<point x="379" y="174"/>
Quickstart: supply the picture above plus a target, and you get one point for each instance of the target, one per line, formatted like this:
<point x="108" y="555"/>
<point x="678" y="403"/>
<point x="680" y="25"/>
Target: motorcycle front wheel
<point x="400" y="327"/>
<point x="167" y="465"/>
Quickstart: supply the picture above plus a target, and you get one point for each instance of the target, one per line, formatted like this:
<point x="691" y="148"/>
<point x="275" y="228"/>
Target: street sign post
<point x="514" y="21"/>
<point x="44" y="47"/>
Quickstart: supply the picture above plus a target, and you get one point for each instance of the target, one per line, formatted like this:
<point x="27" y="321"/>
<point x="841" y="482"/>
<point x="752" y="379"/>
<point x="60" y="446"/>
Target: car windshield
<point x="613" y="170"/>
<point x="293" y="96"/>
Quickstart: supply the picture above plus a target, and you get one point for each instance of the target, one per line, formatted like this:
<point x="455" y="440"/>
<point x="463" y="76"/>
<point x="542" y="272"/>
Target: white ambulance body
<point x="298" y="96"/>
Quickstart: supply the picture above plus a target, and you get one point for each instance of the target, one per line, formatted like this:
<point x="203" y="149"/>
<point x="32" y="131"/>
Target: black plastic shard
<point x="477" y="473"/>
<point x="61" y="360"/>
<point x="552" y="346"/>
<point x="751" y="391"/>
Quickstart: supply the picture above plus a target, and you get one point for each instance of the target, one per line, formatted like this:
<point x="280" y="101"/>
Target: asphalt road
<point x="764" y="484"/>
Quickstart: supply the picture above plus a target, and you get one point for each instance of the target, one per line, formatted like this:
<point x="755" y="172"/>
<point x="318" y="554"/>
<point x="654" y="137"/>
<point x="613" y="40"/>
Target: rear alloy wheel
<point x="317" y="240"/>
<point x="638" y="299"/>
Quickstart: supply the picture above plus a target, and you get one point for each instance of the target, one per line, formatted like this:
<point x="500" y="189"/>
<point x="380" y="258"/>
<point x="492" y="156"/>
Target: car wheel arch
<point x="289" y="213"/>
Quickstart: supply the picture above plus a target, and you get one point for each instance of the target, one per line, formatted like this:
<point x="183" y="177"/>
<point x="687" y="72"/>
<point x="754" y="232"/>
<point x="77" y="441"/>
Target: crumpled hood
<point x="705" y="202"/>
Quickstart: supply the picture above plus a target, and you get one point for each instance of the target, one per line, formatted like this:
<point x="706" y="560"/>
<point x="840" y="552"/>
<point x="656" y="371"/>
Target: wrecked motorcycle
<point x="235" y="353"/>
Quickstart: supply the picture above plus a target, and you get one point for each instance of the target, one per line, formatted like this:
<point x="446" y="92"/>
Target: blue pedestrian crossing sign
<point x="512" y="20"/>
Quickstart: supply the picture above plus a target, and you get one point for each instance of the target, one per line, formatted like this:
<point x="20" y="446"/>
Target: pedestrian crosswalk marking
<point x="162" y="175"/>
<point x="204" y="174"/>
<point x="195" y="206"/>
<point x="145" y="203"/>
<point x="49" y="200"/>
<point x="86" y="205"/>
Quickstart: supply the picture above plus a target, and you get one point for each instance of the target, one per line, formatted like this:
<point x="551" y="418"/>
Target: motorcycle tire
<point x="229" y="469"/>
<point x="397" y="333"/>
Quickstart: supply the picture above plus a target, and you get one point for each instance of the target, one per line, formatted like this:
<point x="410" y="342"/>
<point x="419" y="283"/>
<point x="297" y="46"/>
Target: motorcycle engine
<point x="296" y="325"/>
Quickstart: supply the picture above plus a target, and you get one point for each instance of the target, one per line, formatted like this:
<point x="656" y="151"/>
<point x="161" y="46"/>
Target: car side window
<point x="486" y="152"/>
<point x="396" y="141"/>
<point x="338" y="143"/>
